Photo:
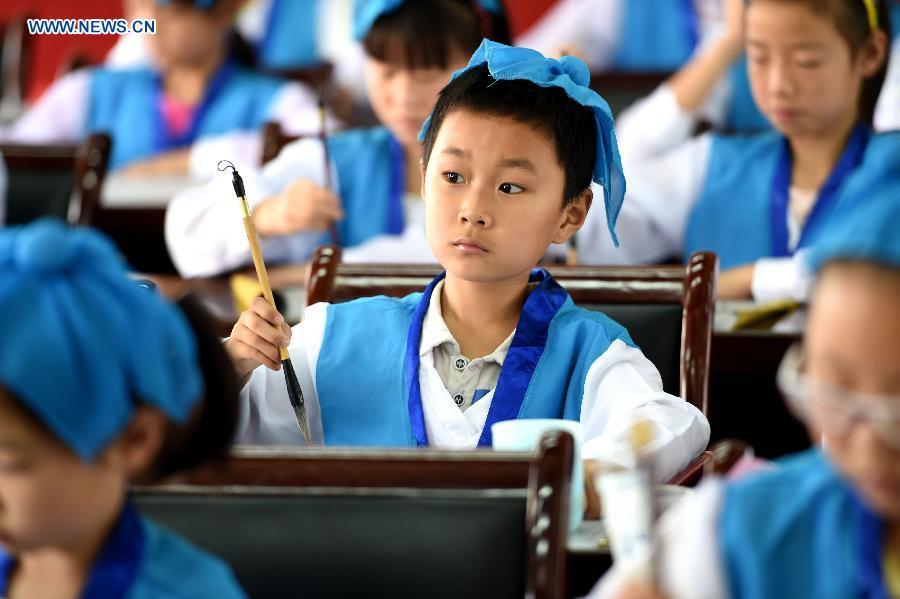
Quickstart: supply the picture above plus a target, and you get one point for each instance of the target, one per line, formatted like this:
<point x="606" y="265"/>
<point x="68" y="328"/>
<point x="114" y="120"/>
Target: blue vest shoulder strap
<point x="790" y="533"/>
<point x="732" y="216"/>
<point x="577" y="337"/>
<point x="365" y="175"/>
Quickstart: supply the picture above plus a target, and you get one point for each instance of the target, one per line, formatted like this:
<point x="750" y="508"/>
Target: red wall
<point x="48" y="52"/>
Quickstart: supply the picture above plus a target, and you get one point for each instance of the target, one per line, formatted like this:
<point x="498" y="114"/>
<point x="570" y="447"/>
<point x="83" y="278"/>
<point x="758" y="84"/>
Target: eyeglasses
<point x="833" y="409"/>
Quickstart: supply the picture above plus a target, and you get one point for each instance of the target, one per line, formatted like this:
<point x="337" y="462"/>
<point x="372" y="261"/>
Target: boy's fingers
<point x="261" y="308"/>
<point x="250" y="352"/>
<point x="259" y="347"/>
<point x="265" y="331"/>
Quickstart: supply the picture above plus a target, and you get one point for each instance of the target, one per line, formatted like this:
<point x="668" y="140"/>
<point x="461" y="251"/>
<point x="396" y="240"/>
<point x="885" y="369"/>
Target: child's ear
<point x="573" y="215"/>
<point x="142" y="440"/>
<point x="874" y="53"/>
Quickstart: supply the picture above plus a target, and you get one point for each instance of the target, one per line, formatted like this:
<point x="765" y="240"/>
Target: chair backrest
<point x="668" y="310"/>
<point x="56" y="180"/>
<point x="340" y="531"/>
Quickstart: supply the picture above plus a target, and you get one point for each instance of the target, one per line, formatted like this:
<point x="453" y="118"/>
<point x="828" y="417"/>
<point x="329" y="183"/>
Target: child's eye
<point x="511" y="188"/>
<point x="454" y="178"/>
<point x="809" y="64"/>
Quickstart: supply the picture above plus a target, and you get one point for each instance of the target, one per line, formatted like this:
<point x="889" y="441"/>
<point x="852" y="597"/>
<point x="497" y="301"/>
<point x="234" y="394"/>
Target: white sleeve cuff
<point x="781" y="278"/>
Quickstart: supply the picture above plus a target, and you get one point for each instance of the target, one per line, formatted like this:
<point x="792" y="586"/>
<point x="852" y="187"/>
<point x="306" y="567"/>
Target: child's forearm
<point x="693" y="84"/>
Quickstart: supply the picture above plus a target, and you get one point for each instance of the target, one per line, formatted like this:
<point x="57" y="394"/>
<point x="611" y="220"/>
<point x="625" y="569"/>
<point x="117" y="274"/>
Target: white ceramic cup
<point x="525" y="434"/>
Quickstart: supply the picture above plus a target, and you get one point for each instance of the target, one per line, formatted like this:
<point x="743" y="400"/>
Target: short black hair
<point x="208" y="434"/>
<point x="570" y="126"/>
<point x="424" y="33"/>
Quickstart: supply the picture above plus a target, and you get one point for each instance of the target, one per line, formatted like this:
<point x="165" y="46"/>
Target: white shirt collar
<point x="435" y="332"/>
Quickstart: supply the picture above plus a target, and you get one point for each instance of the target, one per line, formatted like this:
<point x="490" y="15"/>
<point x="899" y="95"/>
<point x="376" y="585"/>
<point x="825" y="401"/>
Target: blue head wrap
<point x="868" y="226"/>
<point x="82" y="343"/>
<point x="366" y="12"/>
<point x="572" y="76"/>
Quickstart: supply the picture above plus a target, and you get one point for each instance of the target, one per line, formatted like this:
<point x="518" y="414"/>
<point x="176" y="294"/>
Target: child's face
<point x="802" y="74"/>
<point x="853" y="342"/>
<point x="402" y="98"/>
<point x="494" y="197"/>
<point x="186" y="36"/>
<point x="48" y="497"/>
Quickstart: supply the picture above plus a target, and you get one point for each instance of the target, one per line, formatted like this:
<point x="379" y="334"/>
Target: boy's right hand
<point x="302" y="206"/>
<point x="257" y="337"/>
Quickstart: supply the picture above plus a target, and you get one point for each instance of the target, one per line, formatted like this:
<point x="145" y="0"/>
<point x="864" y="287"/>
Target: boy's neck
<point x="59" y="571"/>
<point x="482" y="315"/>
<point x="187" y="84"/>
<point x="814" y="157"/>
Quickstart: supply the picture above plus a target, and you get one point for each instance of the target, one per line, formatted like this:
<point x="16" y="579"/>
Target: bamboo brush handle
<point x="258" y="263"/>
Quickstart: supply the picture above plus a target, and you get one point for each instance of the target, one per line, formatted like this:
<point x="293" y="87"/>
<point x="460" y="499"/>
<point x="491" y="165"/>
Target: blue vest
<point x="736" y="214"/>
<point x="360" y="376"/>
<point x="125" y="103"/>
<point x="139" y="560"/>
<point x="799" y="531"/>
<point x="657" y="35"/>
<point x="291" y="40"/>
<point x="372" y="180"/>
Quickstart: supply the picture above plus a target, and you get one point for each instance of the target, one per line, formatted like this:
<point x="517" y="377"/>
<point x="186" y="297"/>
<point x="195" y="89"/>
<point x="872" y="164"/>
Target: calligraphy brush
<point x="323" y="137"/>
<point x="295" y="394"/>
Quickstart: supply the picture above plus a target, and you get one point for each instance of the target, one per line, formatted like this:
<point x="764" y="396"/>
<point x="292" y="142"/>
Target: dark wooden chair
<point x="668" y="310"/>
<point x="61" y="180"/>
<point x="396" y="524"/>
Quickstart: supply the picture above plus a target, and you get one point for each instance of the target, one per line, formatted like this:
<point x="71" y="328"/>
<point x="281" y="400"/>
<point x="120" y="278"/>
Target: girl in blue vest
<point x="825" y="523"/>
<point x="374" y="196"/>
<point x="816" y="68"/>
<point x="200" y="88"/>
<point x="84" y="410"/>
<point x="509" y="154"/>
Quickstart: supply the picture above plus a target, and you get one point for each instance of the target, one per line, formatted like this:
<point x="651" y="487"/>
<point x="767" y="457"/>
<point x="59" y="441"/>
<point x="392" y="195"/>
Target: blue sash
<point x="828" y="196"/>
<point x="870" y="577"/>
<point x="526" y="349"/>
<point x="395" y="218"/>
<point x="115" y="570"/>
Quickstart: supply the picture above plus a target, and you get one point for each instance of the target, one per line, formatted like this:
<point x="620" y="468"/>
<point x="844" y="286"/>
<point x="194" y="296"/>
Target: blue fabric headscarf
<point x="366" y="12"/>
<point x="572" y="76"/>
<point x="82" y="342"/>
<point x="868" y="228"/>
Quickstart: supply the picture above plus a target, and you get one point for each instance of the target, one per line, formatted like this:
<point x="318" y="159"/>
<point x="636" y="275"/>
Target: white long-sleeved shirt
<point x="205" y="234"/>
<point x="621" y="385"/>
<point x="60" y="115"/>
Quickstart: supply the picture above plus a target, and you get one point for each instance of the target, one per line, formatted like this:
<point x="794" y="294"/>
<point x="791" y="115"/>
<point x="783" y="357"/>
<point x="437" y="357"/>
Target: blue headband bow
<point x="82" y="343"/>
<point x="868" y="227"/>
<point x="366" y="12"/>
<point x="572" y="76"/>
